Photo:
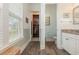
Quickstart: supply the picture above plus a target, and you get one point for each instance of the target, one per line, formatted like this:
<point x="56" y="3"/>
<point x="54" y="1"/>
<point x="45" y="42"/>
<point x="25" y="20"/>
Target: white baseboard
<point x="8" y="46"/>
<point x="50" y="39"/>
<point x="24" y="46"/>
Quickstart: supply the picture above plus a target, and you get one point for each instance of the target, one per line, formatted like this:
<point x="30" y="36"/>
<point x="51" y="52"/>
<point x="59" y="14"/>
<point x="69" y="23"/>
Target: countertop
<point x="71" y="31"/>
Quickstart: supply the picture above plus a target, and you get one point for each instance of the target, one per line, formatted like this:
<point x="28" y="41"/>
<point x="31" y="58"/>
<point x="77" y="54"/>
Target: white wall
<point x="1" y="26"/>
<point x="21" y="10"/>
<point x="67" y="23"/>
<point x="16" y="8"/>
<point x="64" y="23"/>
<point x="27" y="13"/>
<point x="59" y="43"/>
<point x="27" y="26"/>
<point x="35" y="6"/>
<point x="50" y="11"/>
<point x="42" y="26"/>
<point x="50" y="30"/>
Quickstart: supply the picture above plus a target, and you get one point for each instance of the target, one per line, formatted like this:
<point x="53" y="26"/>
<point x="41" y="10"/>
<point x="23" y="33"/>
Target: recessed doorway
<point x="35" y="27"/>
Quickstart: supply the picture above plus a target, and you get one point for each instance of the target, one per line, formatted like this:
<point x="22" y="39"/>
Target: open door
<point x="35" y="26"/>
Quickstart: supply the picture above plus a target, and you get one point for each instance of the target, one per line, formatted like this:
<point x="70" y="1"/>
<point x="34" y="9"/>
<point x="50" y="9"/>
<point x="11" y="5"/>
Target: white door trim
<point x="42" y="26"/>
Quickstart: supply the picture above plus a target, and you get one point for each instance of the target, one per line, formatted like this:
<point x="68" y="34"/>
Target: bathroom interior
<point x="50" y="22"/>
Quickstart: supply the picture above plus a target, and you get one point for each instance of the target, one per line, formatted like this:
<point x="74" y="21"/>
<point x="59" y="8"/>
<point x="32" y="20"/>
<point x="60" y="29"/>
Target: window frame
<point x="20" y="28"/>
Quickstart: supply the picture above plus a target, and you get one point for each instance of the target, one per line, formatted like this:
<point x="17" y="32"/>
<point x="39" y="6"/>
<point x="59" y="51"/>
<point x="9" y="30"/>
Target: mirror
<point x="76" y="15"/>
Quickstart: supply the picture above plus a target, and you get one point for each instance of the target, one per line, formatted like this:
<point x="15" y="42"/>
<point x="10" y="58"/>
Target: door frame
<point x="41" y="25"/>
<point x="32" y="22"/>
<point x="33" y="13"/>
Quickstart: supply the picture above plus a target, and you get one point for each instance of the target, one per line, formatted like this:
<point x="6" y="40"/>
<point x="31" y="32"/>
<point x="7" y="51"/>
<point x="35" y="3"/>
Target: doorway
<point x="35" y="27"/>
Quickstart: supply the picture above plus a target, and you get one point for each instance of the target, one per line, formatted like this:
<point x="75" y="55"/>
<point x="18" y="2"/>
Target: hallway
<point x="30" y="27"/>
<point x="33" y="48"/>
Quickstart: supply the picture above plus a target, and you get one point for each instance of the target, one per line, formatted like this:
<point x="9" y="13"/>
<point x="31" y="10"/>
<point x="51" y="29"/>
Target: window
<point x="14" y="27"/>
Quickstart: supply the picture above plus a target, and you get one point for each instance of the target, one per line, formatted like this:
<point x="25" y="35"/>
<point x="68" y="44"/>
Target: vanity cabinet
<point x="77" y="45"/>
<point x="65" y="43"/>
<point x="70" y="43"/>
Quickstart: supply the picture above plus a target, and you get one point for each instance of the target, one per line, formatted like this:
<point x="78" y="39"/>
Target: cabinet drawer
<point x="68" y="44"/>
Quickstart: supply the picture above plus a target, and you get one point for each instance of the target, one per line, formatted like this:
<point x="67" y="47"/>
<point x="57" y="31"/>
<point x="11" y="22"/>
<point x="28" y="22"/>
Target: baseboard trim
<point x="24" y="46"/>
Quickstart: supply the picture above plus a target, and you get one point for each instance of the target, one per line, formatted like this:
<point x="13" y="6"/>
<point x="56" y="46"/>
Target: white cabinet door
<point x="72" y="46"/>
<point x="65" y="43"/>
<point x="69" y="44"/>
<point x="77" y="46"/>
